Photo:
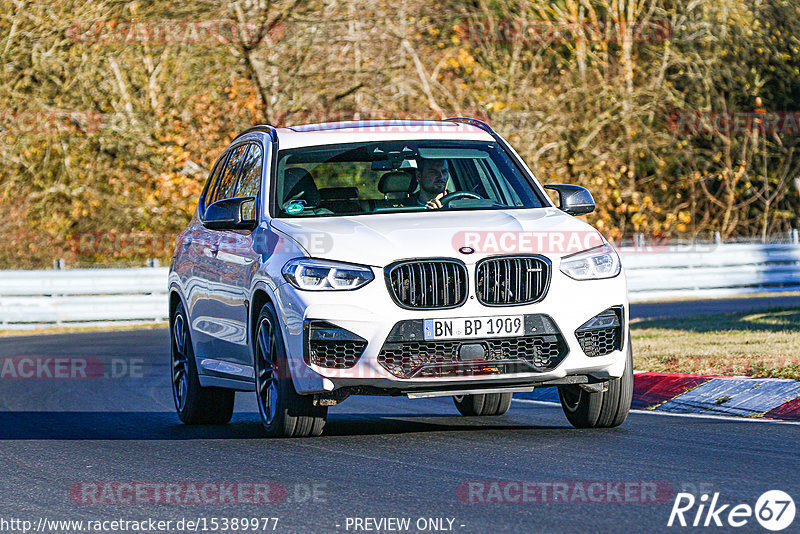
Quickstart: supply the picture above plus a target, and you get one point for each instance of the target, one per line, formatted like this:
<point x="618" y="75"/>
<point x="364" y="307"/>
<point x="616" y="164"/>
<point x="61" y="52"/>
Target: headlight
<point x="592" y="264"/>
<point x="321" y="275"/>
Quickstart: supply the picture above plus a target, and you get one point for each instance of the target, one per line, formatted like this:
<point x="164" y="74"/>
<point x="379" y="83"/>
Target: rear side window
<point x="225" y="185"/>
<point x="250" y="180"/>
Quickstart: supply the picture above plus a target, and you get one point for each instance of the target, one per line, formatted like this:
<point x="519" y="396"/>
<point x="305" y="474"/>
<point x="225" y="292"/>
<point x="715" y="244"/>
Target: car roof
<point x="354" y="124"/>
<point x="339" y="132"/>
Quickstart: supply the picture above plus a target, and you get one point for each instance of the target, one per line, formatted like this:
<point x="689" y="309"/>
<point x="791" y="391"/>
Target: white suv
<point x="414" y="258"/>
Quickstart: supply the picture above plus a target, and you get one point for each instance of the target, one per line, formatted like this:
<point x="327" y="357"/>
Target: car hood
<point x="381" y="239"/>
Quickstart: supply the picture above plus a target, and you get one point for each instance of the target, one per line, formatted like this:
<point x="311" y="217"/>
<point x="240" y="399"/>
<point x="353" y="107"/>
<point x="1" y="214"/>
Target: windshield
<point x="395" y="176"/>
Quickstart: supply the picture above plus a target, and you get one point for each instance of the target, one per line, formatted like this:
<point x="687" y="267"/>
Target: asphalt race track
<point x="379" y="457"/>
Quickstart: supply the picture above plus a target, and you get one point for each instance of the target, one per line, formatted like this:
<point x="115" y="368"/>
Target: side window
<point x="250" y="181"/>
<point x="225" y="185"/>
<point x="213" y="178"/>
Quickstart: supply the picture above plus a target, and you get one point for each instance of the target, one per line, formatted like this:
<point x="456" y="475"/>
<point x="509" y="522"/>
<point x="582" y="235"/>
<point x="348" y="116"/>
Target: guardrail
<point x="82" y="296"/>
<point x="99" y="296"/>
<point x="710" y="270"/>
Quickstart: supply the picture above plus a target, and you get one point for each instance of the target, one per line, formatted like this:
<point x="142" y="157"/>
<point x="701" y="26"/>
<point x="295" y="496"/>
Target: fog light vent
<point x="331" y="346"/>
<point x="602" y="334"/>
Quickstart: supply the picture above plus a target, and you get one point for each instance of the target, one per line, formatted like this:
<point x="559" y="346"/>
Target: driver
<point x="432" y="175"/>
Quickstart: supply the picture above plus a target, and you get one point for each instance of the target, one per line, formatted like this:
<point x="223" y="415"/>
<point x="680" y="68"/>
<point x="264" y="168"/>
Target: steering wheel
<point x="445" y="200"/>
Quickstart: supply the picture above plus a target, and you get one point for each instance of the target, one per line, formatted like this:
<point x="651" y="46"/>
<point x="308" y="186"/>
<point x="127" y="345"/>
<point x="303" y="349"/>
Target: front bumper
<point x="372" y="315"/>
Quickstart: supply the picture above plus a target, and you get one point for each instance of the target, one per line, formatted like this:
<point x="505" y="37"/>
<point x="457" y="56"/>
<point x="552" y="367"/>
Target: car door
<point x="239" y="262"/>
<point x="193" y="260"/>
<point x="215" y="327"/>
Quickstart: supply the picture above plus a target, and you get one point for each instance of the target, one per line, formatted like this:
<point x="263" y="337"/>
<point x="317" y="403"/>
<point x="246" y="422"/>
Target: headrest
<point x="339" y="193"/>
<point x="299" y="185"/>
<point x="397" y="182"/>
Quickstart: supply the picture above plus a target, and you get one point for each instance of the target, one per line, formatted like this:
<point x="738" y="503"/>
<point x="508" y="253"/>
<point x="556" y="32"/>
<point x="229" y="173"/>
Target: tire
<point x="485" y="404"/>
<point x="603" y="409"/>
<point x="284" y="413"/>
<point x="195" y="404"/>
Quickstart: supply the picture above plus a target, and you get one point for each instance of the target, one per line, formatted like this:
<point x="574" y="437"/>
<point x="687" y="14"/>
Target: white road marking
<point x="731" y="418"/>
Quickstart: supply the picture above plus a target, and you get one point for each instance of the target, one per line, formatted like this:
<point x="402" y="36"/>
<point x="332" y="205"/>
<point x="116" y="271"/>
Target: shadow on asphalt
<point x="770" y="320"/>
<point x="167" y="426"/>
<point x="684" y="308"/>
<point x="383" y="424"/>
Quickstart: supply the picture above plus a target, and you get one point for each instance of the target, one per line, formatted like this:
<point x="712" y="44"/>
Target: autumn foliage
<point x="112" y="113"/>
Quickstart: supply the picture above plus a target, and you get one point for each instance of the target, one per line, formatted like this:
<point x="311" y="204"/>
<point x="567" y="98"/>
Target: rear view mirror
<point x="227" y="214"/>
<point x="573" y="199"/>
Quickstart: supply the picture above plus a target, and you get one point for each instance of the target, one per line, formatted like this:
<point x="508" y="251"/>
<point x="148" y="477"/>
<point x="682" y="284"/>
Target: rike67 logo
<point x="774" y="510"/>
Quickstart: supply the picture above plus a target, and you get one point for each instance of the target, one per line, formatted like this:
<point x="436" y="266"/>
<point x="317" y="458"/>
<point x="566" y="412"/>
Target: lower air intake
<point x="406" y="354"/>
<point x="333" y="347"/>
<point x="602" y="334"/>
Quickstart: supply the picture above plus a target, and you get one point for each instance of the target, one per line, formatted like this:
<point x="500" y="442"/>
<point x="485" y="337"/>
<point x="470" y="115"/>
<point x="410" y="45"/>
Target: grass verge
<point x="764" y="344"/>
<point x="80" y="329"/>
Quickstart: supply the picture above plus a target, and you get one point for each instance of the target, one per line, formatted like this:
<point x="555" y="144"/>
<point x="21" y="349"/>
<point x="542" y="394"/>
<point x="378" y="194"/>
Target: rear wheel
<point x="485" y="404"/>
<point x="601" y="409"/>
<point x="284" y="413"/>
<point x="195" y="404"/>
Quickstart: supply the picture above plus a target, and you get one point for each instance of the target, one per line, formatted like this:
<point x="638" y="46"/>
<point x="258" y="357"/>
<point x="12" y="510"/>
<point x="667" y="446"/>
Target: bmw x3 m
<point x="409" y="258"/>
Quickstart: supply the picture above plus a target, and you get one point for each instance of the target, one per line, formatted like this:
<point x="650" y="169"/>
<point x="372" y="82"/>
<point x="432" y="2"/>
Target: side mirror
<point x="573" y="199"/>
<point x="227" y="215"/>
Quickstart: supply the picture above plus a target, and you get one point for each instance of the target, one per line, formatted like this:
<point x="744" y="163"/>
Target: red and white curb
<point x="685" y="393"/>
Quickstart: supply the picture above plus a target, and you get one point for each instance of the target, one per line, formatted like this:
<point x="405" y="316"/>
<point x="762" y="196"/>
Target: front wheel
<point x="485" y="404"/>
<point x="284" y="413"/>
<point x="601" y="409"/>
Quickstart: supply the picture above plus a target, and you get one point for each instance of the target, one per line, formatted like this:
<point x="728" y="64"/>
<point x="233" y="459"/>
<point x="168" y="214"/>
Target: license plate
<point x="475" y="327"/>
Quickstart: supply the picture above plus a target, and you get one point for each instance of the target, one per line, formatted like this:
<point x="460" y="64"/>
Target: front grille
<point x="336" y="354"/>
<point x="511" y="281"/>
<point x="331" y="346"/>
<point x="602" y="334"/>
<point x="428" y="284"/>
